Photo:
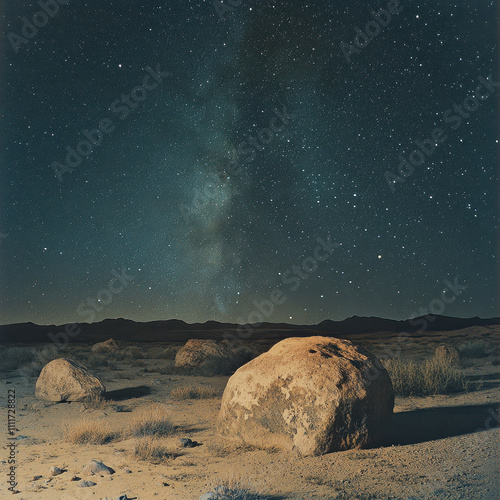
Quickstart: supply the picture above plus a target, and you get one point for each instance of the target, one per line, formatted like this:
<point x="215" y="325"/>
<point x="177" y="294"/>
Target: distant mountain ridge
<point x="175" y="330"/>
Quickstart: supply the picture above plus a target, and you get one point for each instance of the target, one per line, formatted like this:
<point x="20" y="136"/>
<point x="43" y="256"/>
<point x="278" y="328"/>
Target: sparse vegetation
<point x="153" y="421"/>
<point x="476" y="349"/>
<point x="151" y="449"/>
<point x="95" y="401"/>
<point x="99" y="361"/>
<point x="195" y="392"/>
<point x="234" y="490"/>
<point x="412" y="378"/>
<point x="89" y="432"/>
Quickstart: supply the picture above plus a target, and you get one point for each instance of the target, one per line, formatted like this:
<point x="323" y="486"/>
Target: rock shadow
<point x="128" y="393"/>
<point x="429" y="424"/>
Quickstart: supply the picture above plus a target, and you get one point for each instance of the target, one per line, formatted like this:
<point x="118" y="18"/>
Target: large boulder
<point x="197" y="353"/>
<point x="311" y="395"/>
<point x="66" y="380"/>
<point x="108" y="345"/>
<point x="448" y="354"/>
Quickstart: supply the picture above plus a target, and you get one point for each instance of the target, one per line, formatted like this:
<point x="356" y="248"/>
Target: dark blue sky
<point x="272" y="129"/>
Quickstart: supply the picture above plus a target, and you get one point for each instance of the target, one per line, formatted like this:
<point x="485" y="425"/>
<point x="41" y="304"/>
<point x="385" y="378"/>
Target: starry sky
<point x="233" y="140"/>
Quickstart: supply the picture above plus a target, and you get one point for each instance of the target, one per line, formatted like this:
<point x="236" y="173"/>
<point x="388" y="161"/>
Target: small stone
<point x="55" y="471"/>
<point x="86" y="484"/>
<point x="122" y="497"/>
<point x="127" y="471"/>
<point x="96" y="467"/>
<point x="36" y="478"/>
<point x="186" y="443"/>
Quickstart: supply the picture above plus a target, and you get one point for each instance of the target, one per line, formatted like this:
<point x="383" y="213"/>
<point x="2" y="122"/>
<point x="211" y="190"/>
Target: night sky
<point x="188" y="191"/>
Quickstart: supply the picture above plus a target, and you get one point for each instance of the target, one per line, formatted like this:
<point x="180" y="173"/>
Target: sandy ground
<point x="435" y="448"/>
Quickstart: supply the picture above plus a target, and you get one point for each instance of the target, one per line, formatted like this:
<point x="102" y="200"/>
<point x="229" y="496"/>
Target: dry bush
<point x="412" y="378"/>
<point x="95" y="401"/>
<point x="98" y="361"/>
<point x="151" y="449"/>
<point x="476" y="349"/>
<point x="16" y="357"/>
<point x="153" y="421"/>
<point x="195" y="392"/>
<point x="234" y="490"/>
<point x="89" y="432"/>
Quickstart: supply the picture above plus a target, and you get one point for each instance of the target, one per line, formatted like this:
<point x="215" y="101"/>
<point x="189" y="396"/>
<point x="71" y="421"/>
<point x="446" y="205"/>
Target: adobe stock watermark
<point x="247" y="152"/>
<point x="86" y="309"/>
<point x="293" y="278"/>
<point x="222" y="7"/>
<point x="40" y="19"/>
<point x="121" y="107"/>
<point x="455" y="117"/>
<point x="373" y="28"/>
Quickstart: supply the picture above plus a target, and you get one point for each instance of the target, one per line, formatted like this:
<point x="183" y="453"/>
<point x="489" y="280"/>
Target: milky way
<point x="280" y="125"/>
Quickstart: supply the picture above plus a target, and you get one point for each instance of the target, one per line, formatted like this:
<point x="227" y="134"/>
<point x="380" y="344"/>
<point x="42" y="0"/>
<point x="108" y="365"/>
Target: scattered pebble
<point x="55" y="471"/>
<point x="86" y="484"/>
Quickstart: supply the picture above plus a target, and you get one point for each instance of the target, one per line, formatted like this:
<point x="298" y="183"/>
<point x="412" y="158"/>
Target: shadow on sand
<point x="419" y="426"/>
<point x="128" y="393"/>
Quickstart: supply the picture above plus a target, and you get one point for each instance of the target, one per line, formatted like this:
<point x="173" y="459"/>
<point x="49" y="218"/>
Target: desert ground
<point x="437" y="447"/>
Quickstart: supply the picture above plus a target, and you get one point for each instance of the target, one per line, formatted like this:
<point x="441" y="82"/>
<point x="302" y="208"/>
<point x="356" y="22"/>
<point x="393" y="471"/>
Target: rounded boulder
<point x="310" y="395"/>
<point x="196" y="352"/>
<point x="66" y="380"/>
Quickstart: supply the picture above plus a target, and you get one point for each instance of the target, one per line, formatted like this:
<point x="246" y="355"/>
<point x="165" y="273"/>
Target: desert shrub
<point x="151" y="449"/>
<point x="98" y="361"/>
<point x="234" y="490"/>
<point x="195" y="392"/>
<point x="95" y="401"/>
<point x="152" y="421"/>
<point x="412" y="378"/>
<point x="17" y="357"/>
<point x="132" y="353"/>
<point x="476" y="349"/>
<point x="89" y="432"/>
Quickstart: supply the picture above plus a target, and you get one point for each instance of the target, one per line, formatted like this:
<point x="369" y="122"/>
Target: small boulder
<point x="102" y="347"/>
<point x="198" y="352"/>
<point x="448" y="353"/>
<point x="55" y="471"/>
<point x="86" y="484"/>
<point x="67" y="380"/>
<point x="311" y="395"/>
<point x="96" y="467"/>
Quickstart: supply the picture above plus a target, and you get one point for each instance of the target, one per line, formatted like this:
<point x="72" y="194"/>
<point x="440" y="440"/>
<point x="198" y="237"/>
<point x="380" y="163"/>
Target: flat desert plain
<point x="437" y="447"/>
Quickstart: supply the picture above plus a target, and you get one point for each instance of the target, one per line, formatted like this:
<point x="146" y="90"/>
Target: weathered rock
<point x="86" y="484"/>
<point x="55" y="471"/>
<point x="197" y="352"/>
<point x="108" y="345"/>
<point x="312" y="395"/>
<point x="448" y="353"/>
<point x="66" y="380"/>
<point x="95" y="467"/>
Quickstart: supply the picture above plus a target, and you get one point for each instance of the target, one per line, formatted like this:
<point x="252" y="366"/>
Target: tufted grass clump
<point x="153" y="421"/>
<point x="195" y="392"/>
<point x="151" y="449"/>
<point x="234" y="490"/>
<point x="413" y="378"/>
<point x="89" y="432"/>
